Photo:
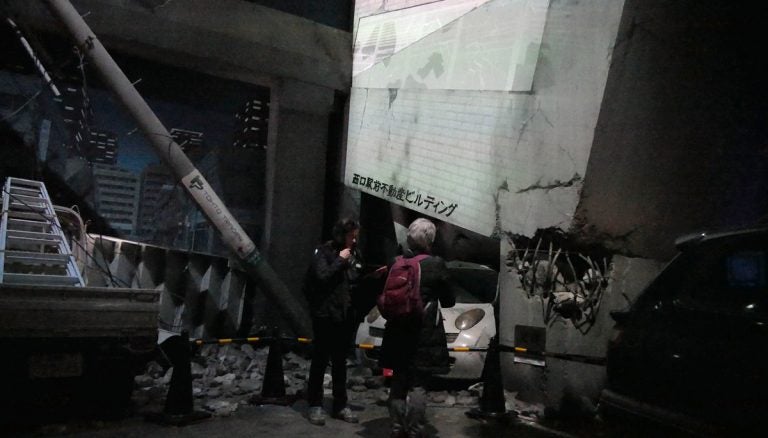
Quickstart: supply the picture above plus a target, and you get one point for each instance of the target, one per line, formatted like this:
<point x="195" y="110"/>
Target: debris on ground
<point x="228" y="376"/>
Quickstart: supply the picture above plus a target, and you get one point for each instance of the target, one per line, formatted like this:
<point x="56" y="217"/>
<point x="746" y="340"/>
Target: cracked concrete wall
<point x="681" y="144"/>
<point x="564" y="384"/>
<point x="548" y="159"/>
<point x="677" y="146"/>
<point x="505" y="159"/>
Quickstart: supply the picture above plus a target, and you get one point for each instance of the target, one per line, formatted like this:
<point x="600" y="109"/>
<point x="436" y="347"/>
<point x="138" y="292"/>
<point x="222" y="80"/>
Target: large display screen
<point x="436" y="86"/>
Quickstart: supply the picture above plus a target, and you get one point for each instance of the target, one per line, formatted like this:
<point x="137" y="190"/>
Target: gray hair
<point x="421" y="234"/>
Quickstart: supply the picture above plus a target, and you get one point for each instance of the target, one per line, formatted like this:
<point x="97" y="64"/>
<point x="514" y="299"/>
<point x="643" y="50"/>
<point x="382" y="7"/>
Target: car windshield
<point x="474" y="285"/>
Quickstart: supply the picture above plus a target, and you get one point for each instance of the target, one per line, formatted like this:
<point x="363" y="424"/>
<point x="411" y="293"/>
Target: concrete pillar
<point x="295" y="177"/>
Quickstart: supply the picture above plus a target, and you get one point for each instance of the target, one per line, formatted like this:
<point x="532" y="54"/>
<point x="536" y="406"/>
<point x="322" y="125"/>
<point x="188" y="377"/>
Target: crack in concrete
<point x="568" y="153"/>
<point x="524" y="125"/>
<point x="497" y="231"/>
<point x="555" y="185"/>
<point x="362" y="115"/>
<point x="392" y="96"/>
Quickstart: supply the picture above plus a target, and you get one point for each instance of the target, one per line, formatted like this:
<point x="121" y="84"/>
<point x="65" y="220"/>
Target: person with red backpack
<point x="414" y="345"/>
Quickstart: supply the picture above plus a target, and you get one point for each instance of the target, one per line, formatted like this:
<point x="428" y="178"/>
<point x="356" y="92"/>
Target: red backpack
<point x="401" y="296"/>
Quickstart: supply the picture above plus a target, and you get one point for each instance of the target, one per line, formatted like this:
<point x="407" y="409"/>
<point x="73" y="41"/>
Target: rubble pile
<point x="223" y="378"/>
<point x="227" y="377"/>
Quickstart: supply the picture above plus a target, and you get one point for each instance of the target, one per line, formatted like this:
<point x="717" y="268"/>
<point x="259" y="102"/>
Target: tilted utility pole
<point x="191" y="179"/>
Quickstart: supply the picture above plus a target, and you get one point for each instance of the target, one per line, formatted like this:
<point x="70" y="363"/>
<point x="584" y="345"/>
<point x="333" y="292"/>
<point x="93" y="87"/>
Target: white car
<point x="468" y="324"/>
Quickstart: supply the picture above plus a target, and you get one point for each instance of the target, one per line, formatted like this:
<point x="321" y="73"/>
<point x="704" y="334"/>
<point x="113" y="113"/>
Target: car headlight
<point x="469" y="319"/>
<point x="373" y="315"/>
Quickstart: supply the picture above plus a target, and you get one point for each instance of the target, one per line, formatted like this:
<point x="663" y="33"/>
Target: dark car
<point x="691" y="351"/>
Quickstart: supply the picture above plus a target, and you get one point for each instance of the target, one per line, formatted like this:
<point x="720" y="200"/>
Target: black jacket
<point x="421" y="343"/>
<point x="327" y="286"/>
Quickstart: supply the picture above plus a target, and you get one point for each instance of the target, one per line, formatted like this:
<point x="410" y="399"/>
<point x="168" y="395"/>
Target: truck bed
<point x="77" y="312"/>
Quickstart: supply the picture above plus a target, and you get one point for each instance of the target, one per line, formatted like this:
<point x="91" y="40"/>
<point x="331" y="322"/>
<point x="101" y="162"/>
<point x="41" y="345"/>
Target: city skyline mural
<point x="88" y="141"/>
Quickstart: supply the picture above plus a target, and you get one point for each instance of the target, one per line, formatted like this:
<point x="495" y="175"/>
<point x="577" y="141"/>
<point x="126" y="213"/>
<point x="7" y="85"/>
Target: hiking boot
<point x="416" y="418"/>
<point x="317" y="416"/>
<point x="397" y="410"/>
<point x="416" y="431"/>
<point x="397" y="432"/>
<point x="347" y="415"/>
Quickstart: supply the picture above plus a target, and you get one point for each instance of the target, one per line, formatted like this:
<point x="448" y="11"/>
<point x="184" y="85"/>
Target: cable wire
<point x="17" y="110"/>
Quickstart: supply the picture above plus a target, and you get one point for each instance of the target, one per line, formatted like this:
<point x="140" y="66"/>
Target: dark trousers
<point x="413" y="417"/>
<point x="331" y="343"/>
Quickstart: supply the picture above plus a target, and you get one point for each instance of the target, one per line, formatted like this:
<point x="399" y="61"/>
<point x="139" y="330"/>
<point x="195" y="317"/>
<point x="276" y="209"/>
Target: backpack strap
<point x="417" y="261"/>
<point x="419" y="257"/>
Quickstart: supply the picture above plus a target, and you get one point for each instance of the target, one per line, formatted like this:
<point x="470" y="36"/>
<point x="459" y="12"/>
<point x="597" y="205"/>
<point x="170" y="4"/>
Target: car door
<point x="639" y="363"/>
<point x="712" y="352"/>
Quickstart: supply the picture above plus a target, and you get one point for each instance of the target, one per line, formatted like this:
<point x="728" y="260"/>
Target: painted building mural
<point x="94" y="148"/>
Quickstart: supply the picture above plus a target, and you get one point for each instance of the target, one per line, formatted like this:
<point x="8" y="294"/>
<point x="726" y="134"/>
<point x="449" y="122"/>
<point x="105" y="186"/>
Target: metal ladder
<point x="33" y="247"/>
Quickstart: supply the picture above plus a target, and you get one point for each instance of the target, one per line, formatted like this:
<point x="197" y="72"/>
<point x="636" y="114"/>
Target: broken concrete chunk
<point x="248" y="350"/>
<point x="375" y="382"/>
<point x="225" y="379"/>
<point x="155" y="370"/>
<point x="249" y="385"/>
<point x="221" y="408"/>
<point x="197" y="370"/>
<point x="437" y="397"/>
<point x="144" y="381"/>
<point x="355" y="381"/>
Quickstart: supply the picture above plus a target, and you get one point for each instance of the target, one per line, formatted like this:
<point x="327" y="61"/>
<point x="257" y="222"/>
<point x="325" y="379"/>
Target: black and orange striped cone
<point x="179" y="404"/>
<point x="492" y="402"/>
<point x="273" y="386"/>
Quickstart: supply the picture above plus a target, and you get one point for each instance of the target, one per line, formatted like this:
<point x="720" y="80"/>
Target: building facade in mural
<point x="116" y="197"/>
<point x="84" y="138"/>
<point x="156" y="183"/>
<point x="191" y="142"/>
<point x="252" y="123"/>
<point x="97" y="146"/>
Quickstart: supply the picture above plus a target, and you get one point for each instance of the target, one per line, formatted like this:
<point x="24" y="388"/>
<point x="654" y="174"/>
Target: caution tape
<point x="248" y="340"/>
<point x="506" y="348"/>
<point x="450" y="349"/>
<point x="594" y="360"/>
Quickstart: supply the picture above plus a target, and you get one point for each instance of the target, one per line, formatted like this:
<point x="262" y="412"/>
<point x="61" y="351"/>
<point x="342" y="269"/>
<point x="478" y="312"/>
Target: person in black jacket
<point x="416" y="348"/>
<point x="333" y="273"/>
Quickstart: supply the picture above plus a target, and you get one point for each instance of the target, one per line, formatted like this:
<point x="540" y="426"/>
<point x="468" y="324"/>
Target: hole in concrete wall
<point x="569" y="279"/>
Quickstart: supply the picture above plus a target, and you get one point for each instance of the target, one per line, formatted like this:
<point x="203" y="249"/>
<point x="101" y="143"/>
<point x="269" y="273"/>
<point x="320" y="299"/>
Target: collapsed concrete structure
<point x="625" y="124"/>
